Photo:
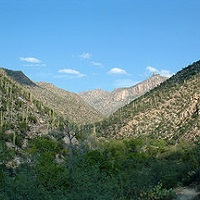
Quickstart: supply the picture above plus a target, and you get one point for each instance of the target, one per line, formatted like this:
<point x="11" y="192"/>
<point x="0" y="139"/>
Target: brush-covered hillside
<point x="21" y="115"/>
<point x="169" y="111"/>
<point x="44" y="157"/>
<point x="65" y="103"/>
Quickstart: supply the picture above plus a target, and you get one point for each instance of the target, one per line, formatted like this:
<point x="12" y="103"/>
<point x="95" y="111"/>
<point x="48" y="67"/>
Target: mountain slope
<point x="19" y="77"/>
<point x="169" y="111"/>
<point x="146" y="168"/>
<point x="109" y="102"/>
<point x="22" y="116"/>
<point x="65" y="103"/>
<point x="68" y="104"/>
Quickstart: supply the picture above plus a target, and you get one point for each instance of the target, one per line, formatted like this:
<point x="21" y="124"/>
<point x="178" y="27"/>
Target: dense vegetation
<point x="43" y="156"/>
<point x="126" y="169"/>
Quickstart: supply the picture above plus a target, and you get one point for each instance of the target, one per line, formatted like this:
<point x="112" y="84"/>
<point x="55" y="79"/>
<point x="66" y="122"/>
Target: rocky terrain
<point x="21" y="115"/>
<point x="169" y="111"/>
<point x="108" y="102"/>
<point x="67" y="104"/>
<point x="148" y="149"/>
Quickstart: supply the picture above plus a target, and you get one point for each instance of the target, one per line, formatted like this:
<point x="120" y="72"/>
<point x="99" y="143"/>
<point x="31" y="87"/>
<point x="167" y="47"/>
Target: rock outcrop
<point x="108" y="102"/>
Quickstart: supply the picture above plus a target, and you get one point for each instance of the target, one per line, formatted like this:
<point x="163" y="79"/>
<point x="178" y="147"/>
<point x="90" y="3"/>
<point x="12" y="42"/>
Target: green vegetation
<point x="142" y="152"/>
<point x="20" y="112"/>
<point x="169" y="111"/>
<point x="125" y="169"/>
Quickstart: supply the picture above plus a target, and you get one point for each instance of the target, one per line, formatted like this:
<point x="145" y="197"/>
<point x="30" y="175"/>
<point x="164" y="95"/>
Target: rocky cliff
<point x="108" y="102"/>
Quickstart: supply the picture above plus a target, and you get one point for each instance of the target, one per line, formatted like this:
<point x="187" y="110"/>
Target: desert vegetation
<point x="141" y="152"/>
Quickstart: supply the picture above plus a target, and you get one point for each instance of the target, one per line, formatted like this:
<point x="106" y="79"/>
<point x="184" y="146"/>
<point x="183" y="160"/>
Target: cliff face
<point x="122" y="94"/>
<point x="109" y="102"/>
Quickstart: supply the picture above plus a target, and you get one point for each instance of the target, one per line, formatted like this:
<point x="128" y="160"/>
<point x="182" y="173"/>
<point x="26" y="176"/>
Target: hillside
<point x="67" y="104"/>
<point x="169" y="111"/>
<point x="109" y="102"/>
<point x="19" y="77"/>
<point x="45" y="157"/>
<point x="21" y="115"/>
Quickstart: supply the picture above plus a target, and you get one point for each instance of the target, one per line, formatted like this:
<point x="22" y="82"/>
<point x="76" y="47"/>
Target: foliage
<point x="146" y="167"/>
<point x="120" y="169"/>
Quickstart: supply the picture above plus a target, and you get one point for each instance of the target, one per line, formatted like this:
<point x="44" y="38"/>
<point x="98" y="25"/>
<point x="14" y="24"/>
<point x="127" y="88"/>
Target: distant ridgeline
<point x="109" y="102"/>
<point x="170" y="111"/>
<point x="19" y="77"/>
<point x="66" y="104"/>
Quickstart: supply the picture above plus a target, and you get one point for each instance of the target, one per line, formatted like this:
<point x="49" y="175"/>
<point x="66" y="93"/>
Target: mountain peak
<point x="109" y="102"/>
<point x="19" y="77"/>
<point x="156" y="74"/>
<point x="169" y="111"/>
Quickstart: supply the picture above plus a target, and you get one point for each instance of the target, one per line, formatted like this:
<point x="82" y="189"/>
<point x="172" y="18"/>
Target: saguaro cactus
<point x="1" y="118"/>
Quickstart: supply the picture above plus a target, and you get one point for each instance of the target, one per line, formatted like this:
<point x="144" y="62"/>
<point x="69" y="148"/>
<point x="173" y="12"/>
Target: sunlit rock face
<point x="108" y="102"/>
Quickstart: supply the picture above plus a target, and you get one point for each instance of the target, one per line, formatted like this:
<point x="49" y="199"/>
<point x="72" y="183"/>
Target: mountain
<point x="109" y="102"/>
<point x="19" y="77"/>
<point x="145" y="152"/>
<point x="68" y="104"/>
<point x="21" y="115"/>
<point x="65" y="103"/>
<point x="169" y="111"/>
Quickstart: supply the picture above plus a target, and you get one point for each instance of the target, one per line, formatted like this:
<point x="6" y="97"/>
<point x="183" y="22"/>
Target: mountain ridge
<point x="142" y="151"/>
<point x="67" y="104"/>
<point x="19" y="77"/>
<point x="109" y="102"/>
<point x="169" y="111"/>
<point x="93" y="105"/>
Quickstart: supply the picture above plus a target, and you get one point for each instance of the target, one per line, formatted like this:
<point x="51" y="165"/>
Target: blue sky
<point x="80" y="45"/>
